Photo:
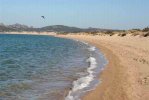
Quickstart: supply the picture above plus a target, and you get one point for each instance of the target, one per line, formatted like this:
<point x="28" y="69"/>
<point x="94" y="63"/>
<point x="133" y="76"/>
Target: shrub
<point x="93" y="32"/>
<point x="136" y="29"/>
<point x="146" y="29"/>
<point x="122" y="34"/>
<point x="63" y="33"/>
<point x="109" y="33"/>
<point x="146" y="34"/>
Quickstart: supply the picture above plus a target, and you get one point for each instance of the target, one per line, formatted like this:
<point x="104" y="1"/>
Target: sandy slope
<point x="126" y="77"/>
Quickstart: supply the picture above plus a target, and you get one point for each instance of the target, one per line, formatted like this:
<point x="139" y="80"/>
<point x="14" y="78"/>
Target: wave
<point x="89" y="82"/>
<point x="92" y="48"/>
<point x="83" y="82"/>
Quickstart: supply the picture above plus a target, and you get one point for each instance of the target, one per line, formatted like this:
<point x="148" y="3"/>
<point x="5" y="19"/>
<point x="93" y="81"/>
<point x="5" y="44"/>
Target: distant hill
<point x="15" y="27"/>
<point x="18" y="26"/>
<point x="61" y="28"/>
<point x="4" y="28"/>
<point x="54" y="28"/>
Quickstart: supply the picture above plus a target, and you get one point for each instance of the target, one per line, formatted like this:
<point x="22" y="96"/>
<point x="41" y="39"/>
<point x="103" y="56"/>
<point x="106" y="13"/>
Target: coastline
<point x="97" y="62"/>
<point x="98" y="93"/>
<point x="126" y="75"/>
<point x="31" y="33"/>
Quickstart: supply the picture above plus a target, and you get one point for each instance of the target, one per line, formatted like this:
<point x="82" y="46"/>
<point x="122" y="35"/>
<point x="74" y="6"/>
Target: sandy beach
<point x="74" y="50"/>
<point x="126" y="77"/>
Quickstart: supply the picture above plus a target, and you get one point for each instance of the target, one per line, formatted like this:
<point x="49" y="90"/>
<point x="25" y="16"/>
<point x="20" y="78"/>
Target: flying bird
<point x="43" y="17"/>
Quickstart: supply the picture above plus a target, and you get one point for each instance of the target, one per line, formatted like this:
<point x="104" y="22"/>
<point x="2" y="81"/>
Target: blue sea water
<point x="36" y="67"/>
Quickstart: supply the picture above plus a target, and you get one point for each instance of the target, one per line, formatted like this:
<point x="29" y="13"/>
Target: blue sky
<point x="115" y="14"/>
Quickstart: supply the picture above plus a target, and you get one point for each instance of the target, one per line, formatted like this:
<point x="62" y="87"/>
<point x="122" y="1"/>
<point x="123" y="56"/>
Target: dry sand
<point x="126" y="77"/>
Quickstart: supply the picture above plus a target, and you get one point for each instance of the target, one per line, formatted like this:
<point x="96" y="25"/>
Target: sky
<point x="113" y="14"/>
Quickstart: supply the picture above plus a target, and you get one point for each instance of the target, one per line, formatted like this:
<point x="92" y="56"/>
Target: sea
<point x="36" y="67"/>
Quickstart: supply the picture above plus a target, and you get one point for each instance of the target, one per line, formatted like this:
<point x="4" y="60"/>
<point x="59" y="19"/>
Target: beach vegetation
<point x="137" y="29"/>
<point x="110" y="32"/>
<point x="146" y="29"/>
<point x="146" y="34"/>
<point x="122" y="34"/>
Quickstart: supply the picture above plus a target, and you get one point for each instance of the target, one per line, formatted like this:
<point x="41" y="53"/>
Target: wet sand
<point x="126" y="77"/>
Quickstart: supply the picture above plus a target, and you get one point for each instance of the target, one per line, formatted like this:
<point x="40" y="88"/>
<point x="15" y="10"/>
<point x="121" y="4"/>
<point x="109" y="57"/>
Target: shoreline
<point x="31" y="33"/>
<point x="95" y="65"/>
<point x="126" y="77"/>
<point x="121" y="78"/>
<point x="103" y="75"/>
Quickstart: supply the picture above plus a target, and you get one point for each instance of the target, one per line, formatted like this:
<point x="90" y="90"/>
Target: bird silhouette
<point x="43" y="17"/>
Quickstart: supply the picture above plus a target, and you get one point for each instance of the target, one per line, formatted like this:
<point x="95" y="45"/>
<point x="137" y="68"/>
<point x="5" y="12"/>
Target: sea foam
<point x="92" y="48"/>
<point x="83" y="82"/>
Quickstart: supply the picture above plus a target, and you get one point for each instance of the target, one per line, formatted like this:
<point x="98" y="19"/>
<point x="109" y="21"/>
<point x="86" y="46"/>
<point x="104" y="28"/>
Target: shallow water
<point x="44" y="67"/>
